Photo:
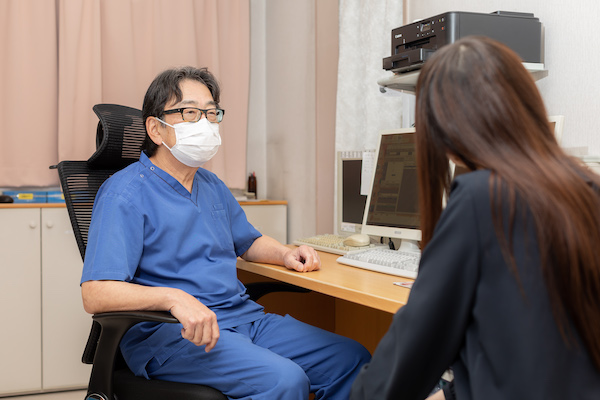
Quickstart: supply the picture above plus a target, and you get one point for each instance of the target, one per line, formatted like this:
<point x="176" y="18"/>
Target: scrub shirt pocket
<point x="222" y="227"/>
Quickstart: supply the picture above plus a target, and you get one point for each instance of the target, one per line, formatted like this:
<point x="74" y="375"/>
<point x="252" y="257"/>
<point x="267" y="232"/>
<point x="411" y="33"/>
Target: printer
<point x="415" y="43"/>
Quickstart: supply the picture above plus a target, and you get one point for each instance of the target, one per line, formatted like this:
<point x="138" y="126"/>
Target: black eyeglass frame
<point x="220" y="112"/>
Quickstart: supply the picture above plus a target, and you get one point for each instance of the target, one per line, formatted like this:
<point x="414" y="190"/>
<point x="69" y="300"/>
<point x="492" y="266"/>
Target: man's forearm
<point x="267" y="250"/>
<point x="105" y="296"/>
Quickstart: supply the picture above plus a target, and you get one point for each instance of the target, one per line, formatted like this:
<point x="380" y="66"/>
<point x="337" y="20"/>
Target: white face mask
<point x="195" y="142"/>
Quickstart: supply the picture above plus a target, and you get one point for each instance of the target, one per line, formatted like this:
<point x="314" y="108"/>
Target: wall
<point x="572" y="85"/>
<point x="291" y="126"/>
<point x="257" y="104"/>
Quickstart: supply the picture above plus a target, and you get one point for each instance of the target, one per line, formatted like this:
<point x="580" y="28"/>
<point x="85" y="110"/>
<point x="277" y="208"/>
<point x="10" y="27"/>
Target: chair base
<point x="127" y="386"/>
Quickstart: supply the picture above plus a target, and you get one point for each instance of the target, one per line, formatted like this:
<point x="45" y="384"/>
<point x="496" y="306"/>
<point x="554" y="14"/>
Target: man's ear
<point x="152" y="125"/>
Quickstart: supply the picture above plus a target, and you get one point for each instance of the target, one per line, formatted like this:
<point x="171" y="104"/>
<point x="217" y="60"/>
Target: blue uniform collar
<point x="174" y="183"/>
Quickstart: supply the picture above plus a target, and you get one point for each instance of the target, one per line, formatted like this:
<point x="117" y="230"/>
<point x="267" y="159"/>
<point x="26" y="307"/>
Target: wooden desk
<point x="346" y="300"/>
<point x="371" y="289"/>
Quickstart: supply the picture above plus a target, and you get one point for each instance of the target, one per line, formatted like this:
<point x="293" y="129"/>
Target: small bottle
<point x="252" y="184"/>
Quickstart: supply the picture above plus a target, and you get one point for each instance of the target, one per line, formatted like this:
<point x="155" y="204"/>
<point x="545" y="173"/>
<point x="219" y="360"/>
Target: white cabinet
<point x="44" y="327"/>
<point x="65" y="325"/>
<point x="20" y="299"/>
<point x="269" y="217"/>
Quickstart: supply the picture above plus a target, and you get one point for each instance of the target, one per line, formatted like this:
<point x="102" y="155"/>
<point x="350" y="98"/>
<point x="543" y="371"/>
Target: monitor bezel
<point x="403" y="234"/>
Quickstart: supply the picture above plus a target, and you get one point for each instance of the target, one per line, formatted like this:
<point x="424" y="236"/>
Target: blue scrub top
<point x="149" y="230"/>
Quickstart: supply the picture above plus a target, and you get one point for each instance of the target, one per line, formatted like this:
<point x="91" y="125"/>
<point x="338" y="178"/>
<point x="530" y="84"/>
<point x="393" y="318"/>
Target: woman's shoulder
<point x="472" y="183"/>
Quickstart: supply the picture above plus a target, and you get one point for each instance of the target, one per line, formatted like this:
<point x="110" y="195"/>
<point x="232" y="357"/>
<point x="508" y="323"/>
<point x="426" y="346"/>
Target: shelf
<point x="407" y="81"/>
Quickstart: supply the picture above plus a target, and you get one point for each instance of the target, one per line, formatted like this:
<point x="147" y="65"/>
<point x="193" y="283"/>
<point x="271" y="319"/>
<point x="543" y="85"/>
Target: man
<point x="165" y="235"/>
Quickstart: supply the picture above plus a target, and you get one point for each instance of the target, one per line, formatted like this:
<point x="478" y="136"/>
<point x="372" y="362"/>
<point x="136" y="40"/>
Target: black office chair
<point x="119" y="138"/>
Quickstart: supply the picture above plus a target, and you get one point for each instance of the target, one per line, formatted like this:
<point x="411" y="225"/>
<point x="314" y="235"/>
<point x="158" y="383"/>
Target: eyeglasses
<point x="191" y="114"/>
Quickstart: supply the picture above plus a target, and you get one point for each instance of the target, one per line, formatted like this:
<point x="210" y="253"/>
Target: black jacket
<point x="466" y="310"/>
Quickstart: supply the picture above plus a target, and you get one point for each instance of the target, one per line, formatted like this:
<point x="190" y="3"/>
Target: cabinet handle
<point x="32" y="224"/>
<point x="50" y="224"/>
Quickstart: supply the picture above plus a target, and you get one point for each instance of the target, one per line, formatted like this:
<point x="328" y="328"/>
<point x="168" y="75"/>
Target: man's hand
<point x="267" y="250"/>
<point x="199" y="322"/>
<point x="302" y="259"/>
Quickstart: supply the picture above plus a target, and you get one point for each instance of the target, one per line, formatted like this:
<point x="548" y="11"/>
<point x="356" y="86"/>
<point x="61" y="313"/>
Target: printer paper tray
<point x="407" y="60"/>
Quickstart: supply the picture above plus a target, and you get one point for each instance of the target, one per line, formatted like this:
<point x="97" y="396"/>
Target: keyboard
<point x="394" y="262"/>
<point x="332" y="244"/>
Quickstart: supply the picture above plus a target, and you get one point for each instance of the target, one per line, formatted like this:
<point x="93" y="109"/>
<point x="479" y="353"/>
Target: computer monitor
<point x="350" y="202"/>
<point x="393" y="202"/>
<point x="557" y="122"/>
<point x="456" y="170"/>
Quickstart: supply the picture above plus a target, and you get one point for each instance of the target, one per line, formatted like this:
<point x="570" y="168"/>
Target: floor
<point x="72" y="395"/>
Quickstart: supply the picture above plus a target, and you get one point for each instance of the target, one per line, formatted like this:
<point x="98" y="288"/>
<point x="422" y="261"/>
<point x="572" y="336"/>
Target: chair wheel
<point x="95" y="396"/>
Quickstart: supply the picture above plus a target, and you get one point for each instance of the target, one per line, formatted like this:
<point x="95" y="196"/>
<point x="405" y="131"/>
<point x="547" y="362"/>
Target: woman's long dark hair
<point x="477" y="103"/>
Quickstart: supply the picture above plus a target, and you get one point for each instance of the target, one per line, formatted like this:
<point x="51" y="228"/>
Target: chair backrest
<point x="119" y="138"/>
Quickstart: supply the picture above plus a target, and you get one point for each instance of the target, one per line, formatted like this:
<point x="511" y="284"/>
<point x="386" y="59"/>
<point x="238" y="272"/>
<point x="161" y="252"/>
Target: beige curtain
<point x="108" y="51"/>
<point x="28" y="92"/>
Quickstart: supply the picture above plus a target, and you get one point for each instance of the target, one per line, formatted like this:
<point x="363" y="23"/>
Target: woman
<point x="508" y="292"/>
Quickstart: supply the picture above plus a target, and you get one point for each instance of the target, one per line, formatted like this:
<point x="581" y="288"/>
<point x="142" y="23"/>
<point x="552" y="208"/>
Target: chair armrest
<point x="118" y="323"/>
<point x="105" y="336"/>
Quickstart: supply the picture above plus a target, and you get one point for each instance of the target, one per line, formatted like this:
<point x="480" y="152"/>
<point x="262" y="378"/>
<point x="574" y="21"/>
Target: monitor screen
<point x="392" y="205"/>
<point x="351" y="203"/>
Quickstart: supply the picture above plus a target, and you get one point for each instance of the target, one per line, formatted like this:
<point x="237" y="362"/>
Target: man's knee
<point x="289" y="381"/>
<point x="362" y="355"/>
<point x="352" y="354"/>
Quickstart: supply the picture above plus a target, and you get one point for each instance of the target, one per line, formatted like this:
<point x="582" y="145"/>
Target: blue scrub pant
<point x="273" y="358"/>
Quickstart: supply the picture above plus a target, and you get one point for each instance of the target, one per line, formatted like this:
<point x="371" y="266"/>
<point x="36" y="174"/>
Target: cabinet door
<point x="20" y="335"/>
<point x="269" y="219"/>
<point x="65" y="324"/>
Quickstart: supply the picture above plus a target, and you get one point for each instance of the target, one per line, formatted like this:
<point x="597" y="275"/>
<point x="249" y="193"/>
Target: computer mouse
<point x="6" y="199"/>
<point x="357" y="240"/>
